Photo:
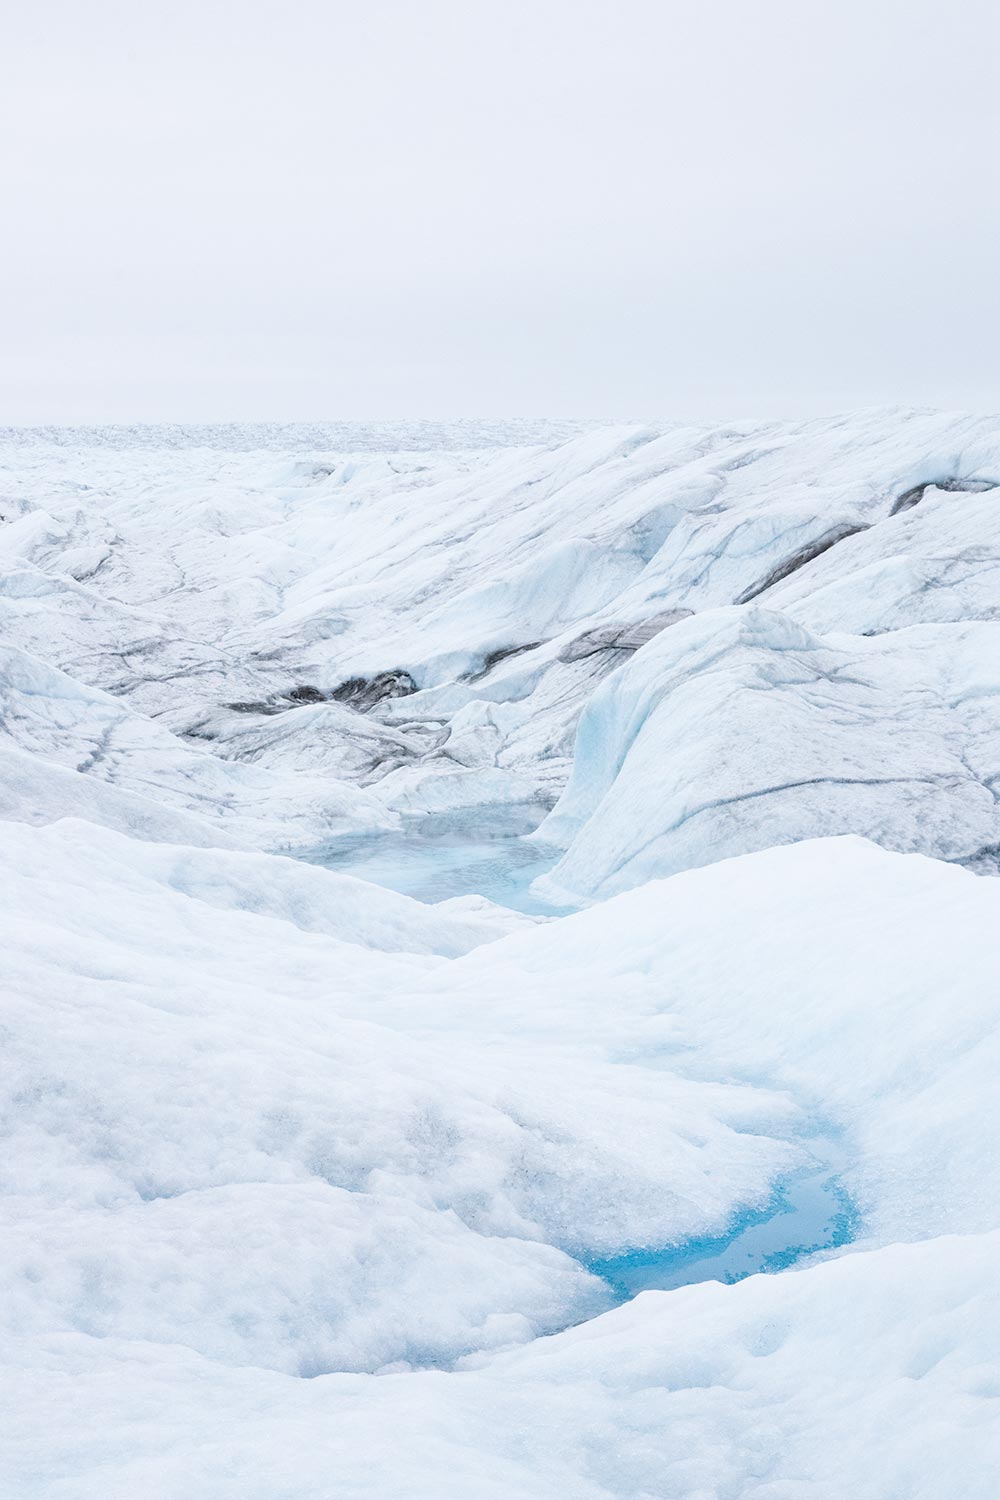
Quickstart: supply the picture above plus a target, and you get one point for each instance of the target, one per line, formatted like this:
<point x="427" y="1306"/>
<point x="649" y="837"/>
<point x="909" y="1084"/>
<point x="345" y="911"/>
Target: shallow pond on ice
<point x="440" y="856"/>
<point x="443" y="855"/>
<point x="808" y="1213"/>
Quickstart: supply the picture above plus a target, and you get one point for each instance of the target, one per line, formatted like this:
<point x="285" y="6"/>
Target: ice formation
<point x="689" y="741"/>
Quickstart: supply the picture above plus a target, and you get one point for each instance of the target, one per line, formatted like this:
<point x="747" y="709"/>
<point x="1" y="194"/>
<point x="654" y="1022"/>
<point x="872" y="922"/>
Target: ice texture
<point x="739" y="729"/>
<point x="311" y="1188"/>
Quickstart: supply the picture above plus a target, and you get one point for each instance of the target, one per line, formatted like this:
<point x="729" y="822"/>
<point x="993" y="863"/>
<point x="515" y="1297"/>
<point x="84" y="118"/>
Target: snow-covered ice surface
<point x="500" y="987"/>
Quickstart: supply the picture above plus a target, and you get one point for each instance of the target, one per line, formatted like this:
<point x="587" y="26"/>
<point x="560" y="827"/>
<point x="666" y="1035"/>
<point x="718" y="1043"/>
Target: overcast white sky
<point x="373" y="208"/>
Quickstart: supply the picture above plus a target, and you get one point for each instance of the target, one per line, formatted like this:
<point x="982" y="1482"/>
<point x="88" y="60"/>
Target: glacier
<point x="499" y="986"/>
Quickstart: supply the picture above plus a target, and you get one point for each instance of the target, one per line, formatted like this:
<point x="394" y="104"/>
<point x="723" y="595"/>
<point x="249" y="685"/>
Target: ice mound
<point x="91" y="735"/>
<point x="739" y="730"/>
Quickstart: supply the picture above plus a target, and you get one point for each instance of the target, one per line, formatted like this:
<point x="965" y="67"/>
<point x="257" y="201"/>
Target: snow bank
<point x="197" y="1063"/>
<point x="194" y="1068"/>
<point x="871" y="1376"/>
<point x="819" y="966"/>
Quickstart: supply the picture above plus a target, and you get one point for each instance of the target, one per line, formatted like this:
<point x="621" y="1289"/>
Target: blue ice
<point x="809" y="1212"/>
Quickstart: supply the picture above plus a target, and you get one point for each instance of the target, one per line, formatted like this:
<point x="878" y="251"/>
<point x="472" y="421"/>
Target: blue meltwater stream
<point x="439" y="857"/>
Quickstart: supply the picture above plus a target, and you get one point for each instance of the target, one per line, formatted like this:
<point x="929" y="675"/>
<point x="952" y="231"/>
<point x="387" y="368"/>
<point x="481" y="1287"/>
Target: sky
<point x="329" y="209"/>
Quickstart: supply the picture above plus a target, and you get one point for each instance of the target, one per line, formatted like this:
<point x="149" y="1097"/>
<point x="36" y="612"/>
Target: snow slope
<point x="872" y="1376"/>
<point x="307" y="1185"/>
<point x="292" y="1156"/>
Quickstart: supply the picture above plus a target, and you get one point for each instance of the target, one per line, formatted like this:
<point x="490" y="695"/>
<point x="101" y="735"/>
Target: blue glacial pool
<point x="437" y="857"/>
<point x="808" y="1213"/>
